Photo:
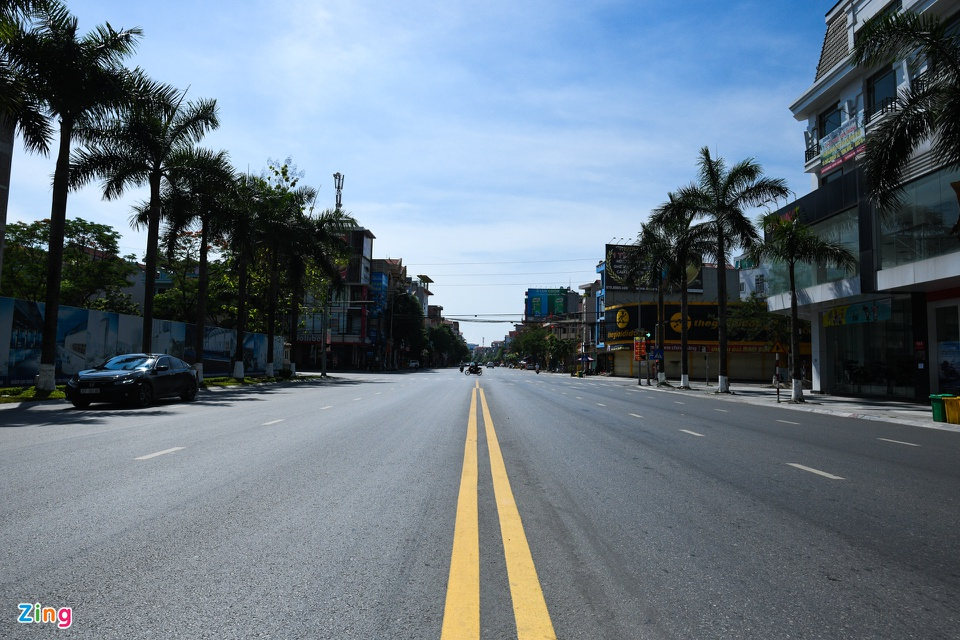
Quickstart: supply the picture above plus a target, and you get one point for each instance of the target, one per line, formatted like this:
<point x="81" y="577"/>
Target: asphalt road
<point x="372" y="506"/>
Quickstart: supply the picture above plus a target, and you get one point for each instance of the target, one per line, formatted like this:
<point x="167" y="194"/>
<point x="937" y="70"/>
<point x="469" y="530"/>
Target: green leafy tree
<point x="722" y="196"/>
<point x="406" y="318"/>
<point x="560" y="350"/>
<point x="789" y="241"/>
<point x="75" y="79"/>
<point x="91" y="266"/>
<point x="751" y="321"/>
<point x="531" y="342"/>
<point x="447" y="347"/>
<point x="928" y="111"/>
<point x="180" y="263"/>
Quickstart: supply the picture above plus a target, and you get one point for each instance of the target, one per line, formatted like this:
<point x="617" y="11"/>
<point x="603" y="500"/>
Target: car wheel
<point x="144" y="395"/>
<point x="80" y="404"/>
<point x="190" y="392"/>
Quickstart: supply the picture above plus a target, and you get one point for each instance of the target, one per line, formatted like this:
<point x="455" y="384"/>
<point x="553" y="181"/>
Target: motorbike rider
<point x="538" y="368"/>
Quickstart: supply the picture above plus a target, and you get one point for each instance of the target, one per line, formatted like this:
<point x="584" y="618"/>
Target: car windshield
<point x="127" y="363"/>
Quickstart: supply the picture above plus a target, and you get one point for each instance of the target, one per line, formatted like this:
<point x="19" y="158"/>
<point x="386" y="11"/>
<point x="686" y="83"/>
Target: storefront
<point x="869" y="348"/>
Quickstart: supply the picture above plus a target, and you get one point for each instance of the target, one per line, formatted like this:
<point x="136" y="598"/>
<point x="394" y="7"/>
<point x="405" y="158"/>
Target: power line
<point x="488" y="262"/>
<point x="473" y="275"/>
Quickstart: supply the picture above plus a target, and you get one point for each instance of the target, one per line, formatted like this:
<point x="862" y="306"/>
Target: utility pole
<point x="338" y="185"/>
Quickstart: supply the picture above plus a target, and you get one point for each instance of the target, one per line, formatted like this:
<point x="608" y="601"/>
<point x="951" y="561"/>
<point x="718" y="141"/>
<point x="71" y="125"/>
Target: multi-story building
<point x="589" y="312"/>
<point x="390" y="277"/>
<point x="892" y="326"/>
<point x="345" y="321"/>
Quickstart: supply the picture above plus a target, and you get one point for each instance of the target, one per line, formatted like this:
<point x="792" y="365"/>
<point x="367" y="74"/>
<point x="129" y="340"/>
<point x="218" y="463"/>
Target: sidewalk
<point x="901" y="412"/>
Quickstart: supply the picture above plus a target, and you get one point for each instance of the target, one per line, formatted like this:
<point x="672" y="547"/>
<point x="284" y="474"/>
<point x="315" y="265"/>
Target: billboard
<point x="618" y="261"/>
<point x="618" y="258"/>
<point x="543" y="303"/>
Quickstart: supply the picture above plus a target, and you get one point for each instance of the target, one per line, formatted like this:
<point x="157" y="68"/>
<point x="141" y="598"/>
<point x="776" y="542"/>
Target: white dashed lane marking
<point x="816" y="471"/>
<point x="159" y="453"/>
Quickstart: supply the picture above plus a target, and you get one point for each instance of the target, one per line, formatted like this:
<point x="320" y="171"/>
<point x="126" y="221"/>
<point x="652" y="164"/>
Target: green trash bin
<point x="939" y="407"/>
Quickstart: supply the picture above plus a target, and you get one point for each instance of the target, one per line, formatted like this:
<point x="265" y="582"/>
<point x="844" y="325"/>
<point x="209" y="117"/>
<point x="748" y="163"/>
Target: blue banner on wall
<point x="85" y="338"/>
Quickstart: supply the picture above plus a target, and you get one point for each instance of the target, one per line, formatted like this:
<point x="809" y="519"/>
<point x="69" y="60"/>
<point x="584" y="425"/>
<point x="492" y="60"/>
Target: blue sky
<point x="494" y="146"/>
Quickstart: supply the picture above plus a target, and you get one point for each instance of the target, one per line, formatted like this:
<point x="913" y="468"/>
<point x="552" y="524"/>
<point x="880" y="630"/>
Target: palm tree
<point x="75" y="79"/>
<point x="248" y="195"/>
<point x="200" y="192"/>
<point x="927" y="111"/>
<point x="19" y="110"/>
<point x="789" y="241"/>
<point x="650" y="261"/>
<point x="153" y="136"/>
<point x="688" y="243"/>
<point x="722" y="195"/>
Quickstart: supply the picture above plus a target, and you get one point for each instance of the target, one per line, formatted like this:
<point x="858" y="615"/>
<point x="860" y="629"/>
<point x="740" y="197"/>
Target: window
<point x="919" y="228"/>
<point x="760" y="286"/>
<point x="828" y="121"/>
<point x="881" y="93"/>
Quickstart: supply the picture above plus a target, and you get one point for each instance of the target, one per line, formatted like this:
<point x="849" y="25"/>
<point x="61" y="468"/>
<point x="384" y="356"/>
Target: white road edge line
<point x="816" y="471"/>
<point x="159" y="453"/>
<point x="693" y="433"/>
<point x="267" y="424"/>
<point x="600" y="404"/>
<point x="909" y="444"/>
<point x="723" y="410"/>
<point x="636" y="416"/>
<point x="787" y="422"/>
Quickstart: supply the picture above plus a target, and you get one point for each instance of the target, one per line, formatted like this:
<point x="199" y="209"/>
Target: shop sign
<point x="874" y="311"/>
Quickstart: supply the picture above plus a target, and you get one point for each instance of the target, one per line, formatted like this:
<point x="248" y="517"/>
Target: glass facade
<point x="841" y="228"/>
<point x="919" y="228"/>
<point x="868" y="348"/>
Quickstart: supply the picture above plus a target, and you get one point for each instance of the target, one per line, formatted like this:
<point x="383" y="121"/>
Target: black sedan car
<point x="137" y="378"/>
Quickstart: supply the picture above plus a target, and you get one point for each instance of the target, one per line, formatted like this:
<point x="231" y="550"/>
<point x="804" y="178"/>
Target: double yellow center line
<point x="461" y="616"/>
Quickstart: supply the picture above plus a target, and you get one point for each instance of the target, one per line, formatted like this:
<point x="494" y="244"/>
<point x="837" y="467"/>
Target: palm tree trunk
<point x="7" y="133"/>
<point x="58" y="221"/>
<point x="201" y="301"/>
<point x="241" y="318"/>
<point x="294" y="323"/>
<point x="796" y="394"/>
<point x="272" y="309"/>
<point x="684" y="342"/>
<point x="150" y="268"/>
<point x="723" y="385"/>
<point x="661" y="325"/>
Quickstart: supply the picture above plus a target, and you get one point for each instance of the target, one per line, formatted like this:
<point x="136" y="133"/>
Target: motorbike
<point x="474" y="369"/>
